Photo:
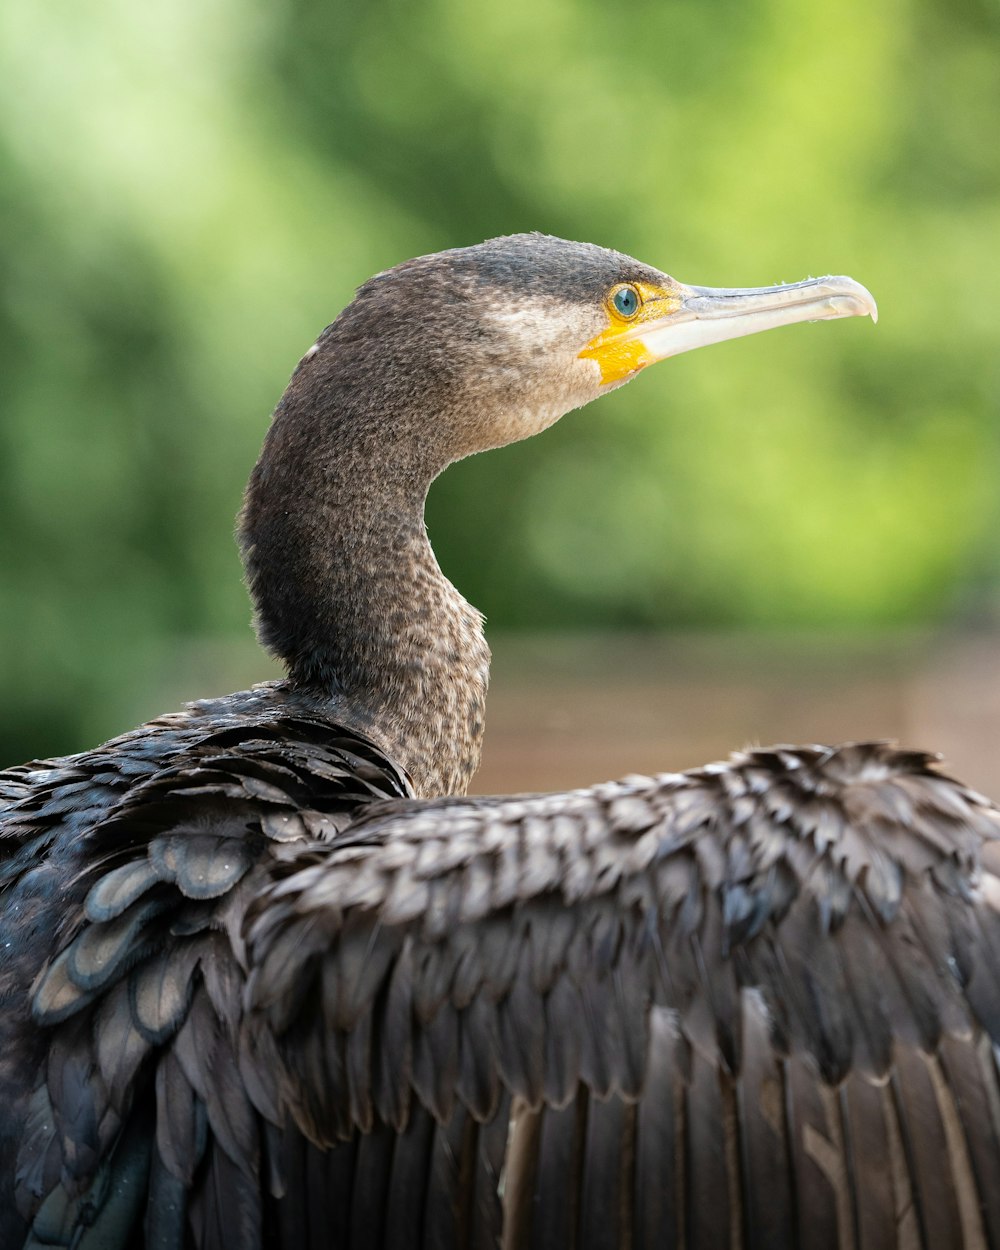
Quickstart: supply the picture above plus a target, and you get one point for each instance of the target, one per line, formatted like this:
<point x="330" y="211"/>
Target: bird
<point x="271" y="978"/>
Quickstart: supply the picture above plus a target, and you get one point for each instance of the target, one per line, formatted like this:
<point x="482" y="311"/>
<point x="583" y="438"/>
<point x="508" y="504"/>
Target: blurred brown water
<point x="571" y="710"/>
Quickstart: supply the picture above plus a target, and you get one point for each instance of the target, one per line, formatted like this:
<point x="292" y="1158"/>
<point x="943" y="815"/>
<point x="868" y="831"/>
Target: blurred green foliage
<point x="192" y="188"/>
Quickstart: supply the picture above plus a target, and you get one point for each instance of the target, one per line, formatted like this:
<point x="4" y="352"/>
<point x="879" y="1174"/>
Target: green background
<point x="191" y="189"/>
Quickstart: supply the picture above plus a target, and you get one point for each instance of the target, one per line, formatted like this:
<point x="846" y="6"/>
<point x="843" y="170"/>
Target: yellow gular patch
<point x="618" y="358"/>
<point x="619" y="350"/>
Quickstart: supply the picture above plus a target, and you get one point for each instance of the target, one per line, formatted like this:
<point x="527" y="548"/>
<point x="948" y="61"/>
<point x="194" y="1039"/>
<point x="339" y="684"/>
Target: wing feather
<point x="756" y="1005"/>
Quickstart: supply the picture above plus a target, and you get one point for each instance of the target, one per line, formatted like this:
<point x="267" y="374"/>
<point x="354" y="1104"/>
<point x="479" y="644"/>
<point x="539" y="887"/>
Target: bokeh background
<point x="791" y="535"/>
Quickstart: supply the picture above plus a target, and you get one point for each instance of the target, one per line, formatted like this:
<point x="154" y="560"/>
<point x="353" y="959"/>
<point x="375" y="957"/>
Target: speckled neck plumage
<point x="347" y="589"/>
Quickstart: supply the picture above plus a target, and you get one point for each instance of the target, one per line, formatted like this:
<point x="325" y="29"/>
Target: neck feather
<point x="349" y="594"/>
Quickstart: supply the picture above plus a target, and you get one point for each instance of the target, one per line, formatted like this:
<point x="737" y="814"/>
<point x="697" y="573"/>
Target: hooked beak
<point x="676" y="318"/>
<point x="712" y="315"/>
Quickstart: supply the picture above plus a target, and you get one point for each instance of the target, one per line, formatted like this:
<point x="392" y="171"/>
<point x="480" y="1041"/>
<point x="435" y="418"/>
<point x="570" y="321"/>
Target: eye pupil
<point x="626" y="300"/>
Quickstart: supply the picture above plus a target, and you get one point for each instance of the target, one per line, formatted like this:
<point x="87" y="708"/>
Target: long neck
<point x="348" y="592"/>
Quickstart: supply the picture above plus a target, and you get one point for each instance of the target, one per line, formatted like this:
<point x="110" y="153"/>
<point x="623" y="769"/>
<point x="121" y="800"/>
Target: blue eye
<point x="626" y="301"/>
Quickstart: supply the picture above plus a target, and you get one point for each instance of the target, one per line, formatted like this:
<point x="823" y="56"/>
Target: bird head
<point x="496" y="342"/>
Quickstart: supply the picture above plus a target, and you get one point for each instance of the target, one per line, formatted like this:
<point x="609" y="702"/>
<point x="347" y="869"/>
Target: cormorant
<point x="269" y="980"/>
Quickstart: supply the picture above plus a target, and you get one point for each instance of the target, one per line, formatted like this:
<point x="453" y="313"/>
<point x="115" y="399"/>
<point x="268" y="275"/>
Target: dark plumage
<point x="270" y="981"/>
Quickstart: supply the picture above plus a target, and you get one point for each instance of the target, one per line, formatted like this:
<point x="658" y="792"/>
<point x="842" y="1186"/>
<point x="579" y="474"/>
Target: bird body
<point x="270" y="980"/>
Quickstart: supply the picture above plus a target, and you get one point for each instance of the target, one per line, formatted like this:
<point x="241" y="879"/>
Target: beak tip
<point x="868" y="306"/>
<point x="873" y="311"/>
<point x="860" y="301"/>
